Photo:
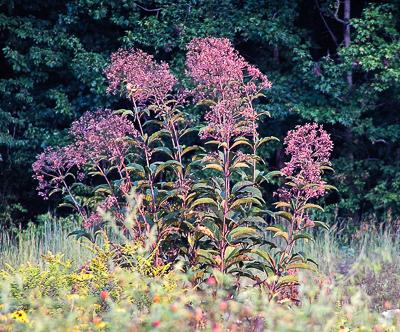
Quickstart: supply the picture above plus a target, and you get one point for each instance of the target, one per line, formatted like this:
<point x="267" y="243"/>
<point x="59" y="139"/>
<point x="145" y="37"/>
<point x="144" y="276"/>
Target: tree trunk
<point x="276" y="54"/>
<point x="346" y="35"/>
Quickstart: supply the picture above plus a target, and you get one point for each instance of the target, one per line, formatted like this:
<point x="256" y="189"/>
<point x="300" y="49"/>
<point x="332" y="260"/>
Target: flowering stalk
<point x="52" y="167"/>
<point x="148" y="84"/>
<point x="99" y="145"/>
<point x="309" y="147"/>
<point x="228" y="84"/>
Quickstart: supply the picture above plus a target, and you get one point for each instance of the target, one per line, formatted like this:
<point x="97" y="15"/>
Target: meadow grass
<point x="358" y="278"/>
<point x="29" y="245"/>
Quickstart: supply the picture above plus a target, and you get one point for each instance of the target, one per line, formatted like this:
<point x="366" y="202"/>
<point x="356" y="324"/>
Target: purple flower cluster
<point x="214" y="64"/>
<point x="102" y="134"/>
<point x="97" y="136"/>
<point x="225" y="77"/>
<point x="136" y="73"/>
<point x="309" y="147"/>
<point x="51" y="168"/>
<point x="95" y="218"/>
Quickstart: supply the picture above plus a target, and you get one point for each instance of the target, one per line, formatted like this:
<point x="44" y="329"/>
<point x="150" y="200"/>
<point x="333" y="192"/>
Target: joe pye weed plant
<point x="204" y="204"/>
<point x="174" y="209"/>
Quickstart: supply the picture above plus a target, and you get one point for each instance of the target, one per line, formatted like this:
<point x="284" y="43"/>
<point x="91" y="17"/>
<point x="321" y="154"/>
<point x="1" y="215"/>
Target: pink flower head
<point x="94" y="219"/>
<point x="224" y="76"/>
<point x="218" y="68"/>
<point x="214" y="63"/>
<point x="51" y="168"/>
<point x="309" y="147"/>
<point x="102" y="134"/>
<point x="136" y="72"/>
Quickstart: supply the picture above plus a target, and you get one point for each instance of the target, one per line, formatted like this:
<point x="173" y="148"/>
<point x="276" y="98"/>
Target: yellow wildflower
<point x="20" y="316"/>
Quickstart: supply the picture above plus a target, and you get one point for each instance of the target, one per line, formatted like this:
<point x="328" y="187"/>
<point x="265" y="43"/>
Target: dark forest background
<point x="333" y="62"/>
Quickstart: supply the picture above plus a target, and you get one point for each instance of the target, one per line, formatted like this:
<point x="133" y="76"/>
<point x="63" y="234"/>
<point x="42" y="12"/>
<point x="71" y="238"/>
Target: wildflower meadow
<point x="175" y="204"/>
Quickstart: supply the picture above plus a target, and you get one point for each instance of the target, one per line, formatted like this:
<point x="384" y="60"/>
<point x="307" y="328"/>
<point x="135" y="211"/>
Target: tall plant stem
<point x="226" y="209"/>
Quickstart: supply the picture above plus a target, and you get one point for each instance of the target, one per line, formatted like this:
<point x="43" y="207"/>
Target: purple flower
<point x="136" y="73"/>
<point x="102" y="134"/>
<point x="51" y="168"/>
<point x="309" y="147"/>
<point x="225" y="77"/>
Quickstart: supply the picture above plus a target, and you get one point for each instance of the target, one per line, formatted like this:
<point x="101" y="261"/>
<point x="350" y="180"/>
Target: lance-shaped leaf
<point x="157" y="136"/>
<point x="206" y="231"/>
<point x="282" y="204"/>
<point x="138" y="169"/>
<point x="190" y="130"/>
<point x="301" y="265"/>
<point x="173" y="164"/>
<point x="242" y="141"/>
<point x="284" y="214"/>
<point x="288" y="280"/>
<point x="330" y="187"/>
<point x="241" y="231"/>
<point x="321" y="224"/>
<point x="81" y="233"/>
<point x="312" y="206"/>
<point x="265" y="140"/>
<point x="163" y="149"/>
<point x="103" y="188"/>
<point x="303" y="236"/>
<point x="265" y="256"/>
<point x="190" y="148"/>
<point x="207" y="255"/>
<point x="217" y="167"/>
<point x="240" y="165"/>
<point x="239" y="186"/>
<point x="283" y="235"/>
<point x="243" y="201"/>
<point x="203" y="201"/>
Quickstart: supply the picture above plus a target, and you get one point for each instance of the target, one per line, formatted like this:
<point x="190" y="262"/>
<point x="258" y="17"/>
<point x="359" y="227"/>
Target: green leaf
<point x="283" y="235"/>
<point x="285" y="215"/>
<point x="282" y="204"/>
<point x="163" y="149"/>
<point x="312" y="206"/>
<point x="265" y="140"/>
<point x="321" y="224"/>
<point x="240" y="165"/>
<point x="300" y="265"/>
<point x="330" y="187"/>
<point x="157" y="136"/>
<point x="265" y="256"/>
<point x="81" y="233"/>
<point x="327" y="168"/>
<point x="243" y="201"/>
<point x="240" y="231"/>
<point x="275" y="229"/>
<point x="189" y="149"/>
<point x="289" y="279"/>
<point x="273" y="174"/>
<point x="201" y="201"/>
<point x="206" y="231"/>
<point x="213" y="142"/>
<point x="241" y="142"/>
<point x="214" y="166"/>
<point x="303" y="236"/>
<point x="138" y="169"/>
<point x="168" y="164"/>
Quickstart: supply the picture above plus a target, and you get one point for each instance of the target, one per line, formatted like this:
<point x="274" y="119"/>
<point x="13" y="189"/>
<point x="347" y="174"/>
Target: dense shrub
<point x="201" y="204"/>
